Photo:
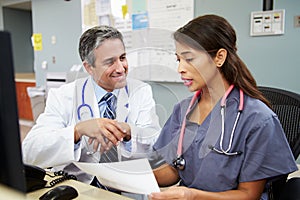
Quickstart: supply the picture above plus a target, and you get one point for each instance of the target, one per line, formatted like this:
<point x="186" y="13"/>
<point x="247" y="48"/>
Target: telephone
<point x="35" y="178"/>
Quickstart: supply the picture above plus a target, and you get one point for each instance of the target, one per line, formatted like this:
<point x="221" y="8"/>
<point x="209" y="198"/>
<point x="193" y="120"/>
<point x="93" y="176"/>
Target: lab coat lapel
<point x="122" y="105"/>
<point x="91" y="98"/>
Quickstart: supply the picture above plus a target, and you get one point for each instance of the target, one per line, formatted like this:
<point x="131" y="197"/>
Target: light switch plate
<point x="297" y="21"/>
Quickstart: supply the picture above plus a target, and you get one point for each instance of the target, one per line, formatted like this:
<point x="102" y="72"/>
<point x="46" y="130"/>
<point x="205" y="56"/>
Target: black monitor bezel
<point x="12" y="172"/>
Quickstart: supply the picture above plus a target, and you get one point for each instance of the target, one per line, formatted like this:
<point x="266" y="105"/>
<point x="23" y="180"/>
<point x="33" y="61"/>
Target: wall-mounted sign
<point x="267" y="22"/>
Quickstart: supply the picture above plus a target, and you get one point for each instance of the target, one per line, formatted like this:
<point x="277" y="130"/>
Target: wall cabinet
<point x="23" y="100"/>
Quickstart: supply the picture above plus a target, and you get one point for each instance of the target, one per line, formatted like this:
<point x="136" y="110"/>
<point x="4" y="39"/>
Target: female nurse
<point x="225" y="142"/>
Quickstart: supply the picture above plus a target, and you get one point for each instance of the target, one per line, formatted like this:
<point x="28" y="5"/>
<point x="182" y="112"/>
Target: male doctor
<point x="73" y="126"/>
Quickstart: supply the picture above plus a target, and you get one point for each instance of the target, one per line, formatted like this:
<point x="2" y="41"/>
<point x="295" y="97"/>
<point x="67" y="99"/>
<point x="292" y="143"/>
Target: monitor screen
<point x="11" y="168"/>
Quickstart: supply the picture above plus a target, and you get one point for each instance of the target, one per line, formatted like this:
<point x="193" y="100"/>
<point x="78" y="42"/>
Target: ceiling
<point x="21" y="6"/>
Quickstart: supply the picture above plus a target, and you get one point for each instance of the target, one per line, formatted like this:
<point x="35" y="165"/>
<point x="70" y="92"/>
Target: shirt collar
<point x="100" y="92"/>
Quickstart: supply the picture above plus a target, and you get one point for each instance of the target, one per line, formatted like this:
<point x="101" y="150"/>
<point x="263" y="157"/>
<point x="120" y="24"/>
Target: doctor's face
<point x="111" y="67"/>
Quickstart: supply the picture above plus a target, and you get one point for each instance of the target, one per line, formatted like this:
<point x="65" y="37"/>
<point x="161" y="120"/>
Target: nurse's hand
<point x="127" y="130"/>
<point x="125" y="136"/>
<point x="101" y="131"/>
<point x="175" y="192"/>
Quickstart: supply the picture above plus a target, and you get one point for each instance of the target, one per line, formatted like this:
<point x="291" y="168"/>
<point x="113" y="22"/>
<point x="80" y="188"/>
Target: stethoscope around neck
<point x="179" y="161"/>
<point x="84" y="105"/>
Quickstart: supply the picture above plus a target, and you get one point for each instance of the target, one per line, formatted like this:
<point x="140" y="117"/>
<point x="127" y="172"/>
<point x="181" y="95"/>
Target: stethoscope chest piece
<point x="179" y="163"/>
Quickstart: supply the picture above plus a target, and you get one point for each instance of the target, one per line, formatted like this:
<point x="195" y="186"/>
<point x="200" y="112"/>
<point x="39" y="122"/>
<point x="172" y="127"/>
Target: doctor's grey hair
<point x="93" y="38"/>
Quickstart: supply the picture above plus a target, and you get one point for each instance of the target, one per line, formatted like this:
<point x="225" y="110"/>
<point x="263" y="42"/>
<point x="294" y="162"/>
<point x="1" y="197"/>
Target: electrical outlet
<point x="44" y="65"/>
<point x="297" y="21"/>
<point x="53" y="39"/>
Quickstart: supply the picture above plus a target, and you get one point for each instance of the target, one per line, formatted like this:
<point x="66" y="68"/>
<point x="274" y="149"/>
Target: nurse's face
<point x="196" y="68"/>
<point x="111" y="67"/>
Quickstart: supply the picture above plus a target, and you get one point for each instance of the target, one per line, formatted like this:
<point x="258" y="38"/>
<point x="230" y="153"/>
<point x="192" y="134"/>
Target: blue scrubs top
<point x="258" y="135"/>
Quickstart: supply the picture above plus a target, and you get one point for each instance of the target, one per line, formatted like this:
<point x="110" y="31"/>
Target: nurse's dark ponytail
<point x="211" y="33"/>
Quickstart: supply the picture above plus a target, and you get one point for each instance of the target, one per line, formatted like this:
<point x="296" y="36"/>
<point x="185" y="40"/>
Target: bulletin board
<point x="147" y="27"/>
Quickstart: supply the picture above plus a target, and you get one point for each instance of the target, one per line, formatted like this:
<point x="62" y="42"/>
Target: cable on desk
<point x="64" y="176"/>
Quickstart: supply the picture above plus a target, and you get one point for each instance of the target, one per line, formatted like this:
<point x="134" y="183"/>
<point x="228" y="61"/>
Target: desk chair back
<point x="292" y="189"/>
<point x="286" y="105"/>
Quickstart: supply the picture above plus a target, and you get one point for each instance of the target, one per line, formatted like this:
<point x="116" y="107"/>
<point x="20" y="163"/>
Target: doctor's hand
<point x="101" y="131"/>
<point x="174" y="192"/>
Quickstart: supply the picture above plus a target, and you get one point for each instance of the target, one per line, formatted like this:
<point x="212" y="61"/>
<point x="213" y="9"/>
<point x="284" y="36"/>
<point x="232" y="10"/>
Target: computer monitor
<point x="12" y="172"/>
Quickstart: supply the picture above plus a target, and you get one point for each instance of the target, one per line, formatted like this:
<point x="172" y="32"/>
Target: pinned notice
<point x="37" y="42"/>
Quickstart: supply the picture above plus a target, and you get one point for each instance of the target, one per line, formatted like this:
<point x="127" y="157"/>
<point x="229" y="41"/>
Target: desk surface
<point x="85" y="191"/>
<point x="25" y="77"/>
<point x="9" y="193"/>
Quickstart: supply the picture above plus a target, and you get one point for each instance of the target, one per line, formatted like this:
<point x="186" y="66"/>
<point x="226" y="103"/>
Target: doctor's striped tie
<point x="110" y="113"/>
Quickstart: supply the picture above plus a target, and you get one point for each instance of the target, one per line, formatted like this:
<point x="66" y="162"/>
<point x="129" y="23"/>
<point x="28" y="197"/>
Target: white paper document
<point x="134" y="176"/>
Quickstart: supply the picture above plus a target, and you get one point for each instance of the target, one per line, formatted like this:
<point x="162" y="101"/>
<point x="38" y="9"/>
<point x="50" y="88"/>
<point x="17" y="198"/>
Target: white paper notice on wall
<point x="269" y="22"/>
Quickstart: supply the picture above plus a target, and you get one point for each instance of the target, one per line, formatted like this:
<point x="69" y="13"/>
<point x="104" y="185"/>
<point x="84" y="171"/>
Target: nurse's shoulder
<point x="257" y="108"/>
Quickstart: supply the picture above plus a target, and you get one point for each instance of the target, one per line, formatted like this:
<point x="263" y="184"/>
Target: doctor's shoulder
<point x="134" y="85"/>
<point x="66" y="90"/>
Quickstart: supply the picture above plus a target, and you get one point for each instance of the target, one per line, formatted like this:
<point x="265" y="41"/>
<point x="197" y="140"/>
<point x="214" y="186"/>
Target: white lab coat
<point x="50" y="143"/>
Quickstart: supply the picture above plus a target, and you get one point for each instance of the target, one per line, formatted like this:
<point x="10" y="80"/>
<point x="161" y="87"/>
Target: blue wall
<point x="273" y="60"/>
<point x="61" y="19"/>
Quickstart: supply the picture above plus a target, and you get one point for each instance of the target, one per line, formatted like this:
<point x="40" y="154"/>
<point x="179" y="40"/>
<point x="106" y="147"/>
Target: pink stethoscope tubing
<point x="180" y="141"/>
<point x="223" y="104"/>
